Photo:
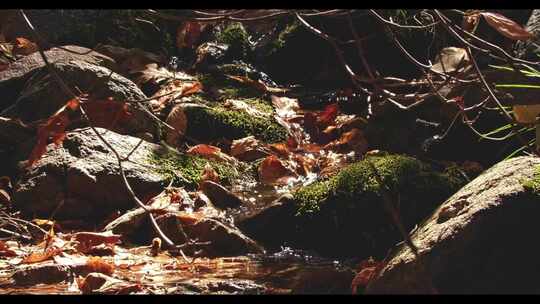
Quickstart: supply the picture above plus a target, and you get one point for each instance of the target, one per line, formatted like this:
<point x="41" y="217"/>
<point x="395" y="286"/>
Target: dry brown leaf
<point x="178" y="120"/>
<point x="240" y="105"/>
<point x="273" y="171"/>
<point x="5" y="199"/>
<point x="41" y="255"/>
<point x="97" y="264"/>
<point x="367" y="270"/>
<point x="96" y="238"/>
<point x="209" y="152"/>
<point x="209" y="174"/>
<point x="242" y="145"/>
<point x="24" y="47"/>
<point x="285" y="106"/>
<point x="451" y="59"/>
<point x="5" y="251"/>
<point x="174" y="89"/>
<point x="257" y="84"/>
<point x="281" y="149"/>
<point x="355" y="140"/>
<point x="506" y="27"/>
<point x="470" y="21"/>
<point x="188" y="34"/>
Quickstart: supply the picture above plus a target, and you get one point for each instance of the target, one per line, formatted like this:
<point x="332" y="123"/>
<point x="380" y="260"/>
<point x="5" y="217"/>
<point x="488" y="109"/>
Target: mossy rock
<point x="186" y="170"/>
<point x="345" y="215"/>
<point x="215" y="123"/>
<point x="226" y="88"/>
<point x="235" y="35"/>
<point x="533" y="185"/>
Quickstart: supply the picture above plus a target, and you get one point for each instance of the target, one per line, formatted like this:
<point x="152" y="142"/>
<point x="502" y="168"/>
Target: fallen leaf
<point x="109" y="113"/>
<point x="240" y="105"/>
<point x="97" y="264"/>
<point x="5" y="199"/>
<point x="209" y="152"/>
<point x="248" y="148"/>
<point x="452" y="59"/>
<point x="188" y="34"/>
<point x="96" y="238"/>
<point x="41" y="255"/>
<point x="506" y="27"/>
<point x="91" y="282"/>
<point x="273" y="171"/>
<point x="470" y="21"/>
<point x="285" y="107"/>
<point x="54" y="127"/>
<point x="329" y="114"/>
<point x="24" y="46"/>
<point x="153" y="74"/>
<point x="5" y="251"/>
<point x="209" y="174"/>
<point x="173" y="90"/>
<point x="367" y="270"/>
<point x="281" y="149"/>
<point x="353" y="140"/>
<point x="178" y="120"/>
<point x="257" y="84"/>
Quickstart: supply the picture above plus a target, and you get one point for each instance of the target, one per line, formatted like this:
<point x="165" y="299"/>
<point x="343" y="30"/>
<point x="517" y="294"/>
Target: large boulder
<point x="12" y="79"/>
<point x="481" y="240"/>
<point x="344" y="215"/>
<point x="81" y="178"/>
<point x="43" y="96"/>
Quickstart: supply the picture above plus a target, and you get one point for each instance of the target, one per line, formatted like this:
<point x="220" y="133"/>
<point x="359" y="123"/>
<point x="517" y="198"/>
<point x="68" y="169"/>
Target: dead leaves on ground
<point x="106" y="114"/>
<point x="367" y="270"/>
<point x="502" y="24"/>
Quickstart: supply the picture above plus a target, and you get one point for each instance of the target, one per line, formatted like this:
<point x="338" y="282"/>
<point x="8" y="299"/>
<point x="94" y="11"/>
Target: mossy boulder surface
<point x="345" y="215"/>
<point x="186" y="170"/>
<point x="218" y="122"/>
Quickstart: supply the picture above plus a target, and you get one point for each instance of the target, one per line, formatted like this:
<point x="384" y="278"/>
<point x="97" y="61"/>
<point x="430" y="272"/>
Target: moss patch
<point x="533" y="184"/>
<point x="185" y="170"/>
<point x="215" y="123"/>
<point x="236" y="36"/>
<point x="345" y="214"/>
<point x="227" y="88"/>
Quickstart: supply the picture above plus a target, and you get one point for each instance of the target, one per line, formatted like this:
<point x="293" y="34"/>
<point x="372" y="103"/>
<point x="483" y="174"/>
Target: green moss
<point x="260" y="105"/>
<point x="346" y="215"/>
<point x="227" y="88"/>
<point x="533" y="184"/>
<point x="185" y="170"/>
<point x="356" y="184"/>
<point x="289" y="32"/>
<point x="236" y="36"/>
<point x="217" y="122"/>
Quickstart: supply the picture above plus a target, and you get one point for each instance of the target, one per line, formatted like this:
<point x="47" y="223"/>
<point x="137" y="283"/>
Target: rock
<point x="225" y="240"/>
<point x="218" y="122"/>
<point x="210" y="53"/>
<point x="14" y="77"/>
<point x="527" y="49"/>
<point x="220" y="196"/>
<point x="81" y="178"/>
<point x="480" y="240"/>
<point x="43" y="96"/>
<point x="256" y="224"/>
<point x="344" y="215"/>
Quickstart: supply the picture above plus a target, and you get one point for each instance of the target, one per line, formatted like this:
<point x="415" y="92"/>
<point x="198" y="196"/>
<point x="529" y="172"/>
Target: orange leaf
<point x="188" y="34"/>
<point x="470" y="21"/>
<point x="209" y="152"/>
<point x="107" y="113"/>
<point x="5" y="251"/>
<point x="280" y="149"/>
<point x="243" y="145"/>
<point x="97" y="264"/>
<point x="329" y="114"/>
<point x="90" y="239"/>
<point x="273" y="171"/>
<point x="24" y="46"/>
<point x="366" y="272"/>
<point x="54" y="127"/>
<point x="506" y="27"/>
<point x="209" y="174"/>
<point x="40" y="256"/>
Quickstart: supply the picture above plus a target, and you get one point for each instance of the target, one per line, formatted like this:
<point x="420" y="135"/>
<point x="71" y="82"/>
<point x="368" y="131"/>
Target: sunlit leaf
<point x="507" y="27"/>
